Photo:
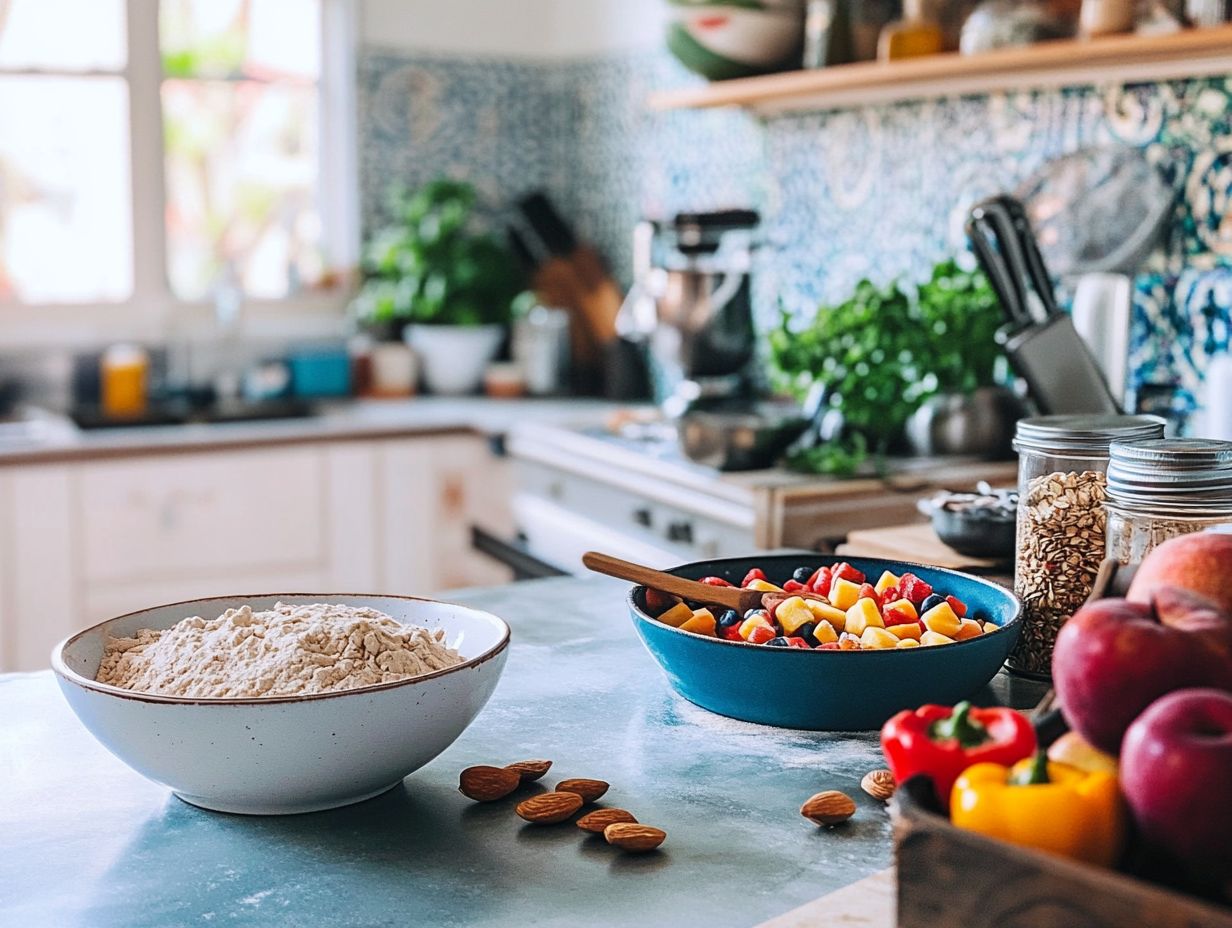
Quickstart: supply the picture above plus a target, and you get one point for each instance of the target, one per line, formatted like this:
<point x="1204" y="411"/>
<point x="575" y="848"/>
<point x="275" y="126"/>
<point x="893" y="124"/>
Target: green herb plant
<point x="434" y="265"/>
<point x="880" y="354"/>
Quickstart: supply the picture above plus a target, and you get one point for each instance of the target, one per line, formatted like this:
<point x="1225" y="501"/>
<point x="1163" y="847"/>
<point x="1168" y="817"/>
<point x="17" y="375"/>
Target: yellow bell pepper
<point x="1048" y="806"/>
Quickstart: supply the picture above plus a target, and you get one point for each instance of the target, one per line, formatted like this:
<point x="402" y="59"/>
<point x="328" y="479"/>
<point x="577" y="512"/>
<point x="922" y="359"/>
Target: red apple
<point x="1176" y="773"/>
<point x="1201" y="562"/>
<point x="1115" y="657"/>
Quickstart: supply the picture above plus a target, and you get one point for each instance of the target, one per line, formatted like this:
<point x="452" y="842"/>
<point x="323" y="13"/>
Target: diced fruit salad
<point x="832" y="608"/>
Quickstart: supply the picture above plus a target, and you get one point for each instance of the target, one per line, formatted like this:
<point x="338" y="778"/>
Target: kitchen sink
<point x="183" y="413"/>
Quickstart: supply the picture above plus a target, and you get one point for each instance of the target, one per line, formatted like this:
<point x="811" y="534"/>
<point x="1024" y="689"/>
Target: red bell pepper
<point x="940" y="742"/>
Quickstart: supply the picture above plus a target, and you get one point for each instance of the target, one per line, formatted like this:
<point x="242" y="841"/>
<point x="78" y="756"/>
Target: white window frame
<point x="152" y="312"/>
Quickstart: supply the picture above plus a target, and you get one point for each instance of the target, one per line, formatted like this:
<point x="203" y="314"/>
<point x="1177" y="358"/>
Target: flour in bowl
<point x="287" y="651"/>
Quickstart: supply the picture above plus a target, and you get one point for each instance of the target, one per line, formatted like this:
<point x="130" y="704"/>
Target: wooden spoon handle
<point x="731" y="597"/>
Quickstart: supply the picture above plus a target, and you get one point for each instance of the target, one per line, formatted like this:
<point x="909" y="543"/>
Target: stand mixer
<point x="693" y="309"/>
<point x="693" y="312"/>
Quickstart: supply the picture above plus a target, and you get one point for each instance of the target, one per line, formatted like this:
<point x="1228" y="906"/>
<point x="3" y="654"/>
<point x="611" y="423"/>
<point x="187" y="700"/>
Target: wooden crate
<point x="951" y="877"/>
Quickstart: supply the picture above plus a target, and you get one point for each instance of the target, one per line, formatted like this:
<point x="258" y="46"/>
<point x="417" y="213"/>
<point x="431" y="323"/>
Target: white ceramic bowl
<point x="287" y="754"/>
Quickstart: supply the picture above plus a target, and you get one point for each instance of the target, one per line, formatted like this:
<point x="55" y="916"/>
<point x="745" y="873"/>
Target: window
<point x="157" y="150"/>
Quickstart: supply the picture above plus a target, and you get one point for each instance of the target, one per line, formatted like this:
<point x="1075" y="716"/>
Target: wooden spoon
<point x="729" y="597"/>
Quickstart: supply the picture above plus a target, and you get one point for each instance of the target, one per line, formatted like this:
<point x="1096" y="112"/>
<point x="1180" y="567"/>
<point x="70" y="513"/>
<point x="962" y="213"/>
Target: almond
<point x="530" y="770"/>
<point x="599" y="819"/>
<point x="637" y="839"/>
<point x="549" y="808"/>
<point x="487" y="784"/>
<point x="879" y="784"/>
<point x="828" y="808"/>
<point x="589" y="790"/>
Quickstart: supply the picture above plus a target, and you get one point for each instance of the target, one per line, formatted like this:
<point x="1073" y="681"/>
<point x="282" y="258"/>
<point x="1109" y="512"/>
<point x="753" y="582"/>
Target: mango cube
<point x="763" y="586"/>
<point x="863" y="614"/>
<point x="900" y="612"/>
<point x="825" y="633"/>
<point x="943" y="620"/>
<point x="908" y="631"/>
<point x="877" y="638"/>
<point x="677" y="615"/>
<point x="748" y="626"/>
<point x="824" y="612"/>
<point x="843" y="593"/>
<point x="792" y="613"/>
<point x="990" y="627"/>
<point x="931" y="638"/>
<point x="969" y="629"/>
<point x="887" y="580"/>
<point x="701" y="623"/>
<point x="908" y="643"/>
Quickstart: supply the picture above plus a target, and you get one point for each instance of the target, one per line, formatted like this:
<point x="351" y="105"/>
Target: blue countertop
<point x="84" y="841"/>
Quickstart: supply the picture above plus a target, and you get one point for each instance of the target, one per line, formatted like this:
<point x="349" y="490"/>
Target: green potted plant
<point x="894" y="363"/>
<point x="449" y="286"/>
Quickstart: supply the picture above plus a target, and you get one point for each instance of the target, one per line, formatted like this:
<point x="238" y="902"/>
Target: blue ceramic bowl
<point x="829" y="690"/>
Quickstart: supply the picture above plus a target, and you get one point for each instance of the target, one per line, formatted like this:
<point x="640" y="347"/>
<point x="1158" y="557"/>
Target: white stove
<point x="635" y="496"/>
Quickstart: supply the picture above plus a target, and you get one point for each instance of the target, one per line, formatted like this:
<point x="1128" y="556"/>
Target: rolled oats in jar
<point x="1161" y="489"/>
<point x="1062" y="467"/>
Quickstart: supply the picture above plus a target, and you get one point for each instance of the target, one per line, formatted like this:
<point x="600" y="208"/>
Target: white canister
<point x="1217" y="392"/>
<point x="394" y="370"/>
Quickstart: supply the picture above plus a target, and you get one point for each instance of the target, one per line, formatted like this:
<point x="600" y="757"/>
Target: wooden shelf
<point x="1119" y="59"/>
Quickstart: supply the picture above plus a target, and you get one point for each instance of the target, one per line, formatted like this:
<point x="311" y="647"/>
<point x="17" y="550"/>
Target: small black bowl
<point x="976" y="532"/>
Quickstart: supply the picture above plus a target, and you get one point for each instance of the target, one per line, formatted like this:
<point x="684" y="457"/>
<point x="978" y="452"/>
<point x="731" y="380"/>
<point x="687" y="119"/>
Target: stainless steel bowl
<point x="749" y="437"/>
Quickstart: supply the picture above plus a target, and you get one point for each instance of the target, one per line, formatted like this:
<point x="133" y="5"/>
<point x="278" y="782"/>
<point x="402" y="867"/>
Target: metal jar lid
<point x="1172" y="473"/>
<point x="1083" y="433"/>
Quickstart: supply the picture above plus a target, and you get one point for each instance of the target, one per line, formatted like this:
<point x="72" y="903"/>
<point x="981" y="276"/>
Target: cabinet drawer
<point x="201" y="515"/>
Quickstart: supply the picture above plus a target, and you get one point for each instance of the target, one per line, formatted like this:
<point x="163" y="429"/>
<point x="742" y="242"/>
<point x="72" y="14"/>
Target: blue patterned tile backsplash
<point x="878" y="192"/>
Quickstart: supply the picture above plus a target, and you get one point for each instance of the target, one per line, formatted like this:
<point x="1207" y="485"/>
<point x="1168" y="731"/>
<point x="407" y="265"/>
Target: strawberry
<point x="658" y="602"/>
<point x="914" y="589"/>
<point x="793" y="586"/>
<point x="847" y="572"/>
<point x="868" y="591"/>
<point x="714" y="581"/>
<point x="820" y="581"/>
<point x="959" y="607"/>
<point x="755" y="574"/>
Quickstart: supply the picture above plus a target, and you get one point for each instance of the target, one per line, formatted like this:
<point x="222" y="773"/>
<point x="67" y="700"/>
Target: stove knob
<point x="643" y="517"/>
<point x="680" y="532"/>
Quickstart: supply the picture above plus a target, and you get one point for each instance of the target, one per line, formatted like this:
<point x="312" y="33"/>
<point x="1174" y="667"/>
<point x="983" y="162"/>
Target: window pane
<point x="242" y="171"/>
<point x="76" y="35"/>
<point x="265" y="39"/>
<point x="65" y="205"/>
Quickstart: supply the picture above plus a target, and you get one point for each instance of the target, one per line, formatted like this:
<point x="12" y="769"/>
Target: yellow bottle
<point x="124" y="381"/>
<point x="913" y="36"/>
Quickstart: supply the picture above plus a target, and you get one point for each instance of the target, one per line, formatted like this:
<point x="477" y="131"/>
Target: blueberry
<point x="729" y="618"/>
<point x="932" y="601"/>
<point x="802" y="574"/>
<point x="779" y="642"/>
<point x="806" y="631"/>
<point x="756" y="612"/>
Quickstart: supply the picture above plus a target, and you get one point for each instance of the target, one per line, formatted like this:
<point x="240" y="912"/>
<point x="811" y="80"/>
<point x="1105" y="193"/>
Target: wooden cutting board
<point x="916" y="543"/>
<point x="870" y="903"/>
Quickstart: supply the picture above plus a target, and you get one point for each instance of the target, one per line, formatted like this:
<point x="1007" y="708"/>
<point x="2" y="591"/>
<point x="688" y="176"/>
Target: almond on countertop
<point x="487" y="784"/>
<point x="879" y="784"/>
<point x="599" y="819"/>
<point x="549" y="808"/>
<point x="530" y="770"/>
<point x="637" y="839"/>
<point x="589" y="790"/>
<point x="828" y="808"/>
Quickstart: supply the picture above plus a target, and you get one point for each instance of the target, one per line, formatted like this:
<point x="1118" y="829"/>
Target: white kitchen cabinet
<point x="87" y="540"/>
<point x="39" y="593"/>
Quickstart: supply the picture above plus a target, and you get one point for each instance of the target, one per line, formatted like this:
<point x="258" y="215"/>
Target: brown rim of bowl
<point x="68" y="674"/>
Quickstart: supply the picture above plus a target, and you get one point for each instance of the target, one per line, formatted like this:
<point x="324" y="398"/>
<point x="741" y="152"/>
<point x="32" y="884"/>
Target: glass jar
<point x="1062" y="468"/>
<point x="1160" y="489"/>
